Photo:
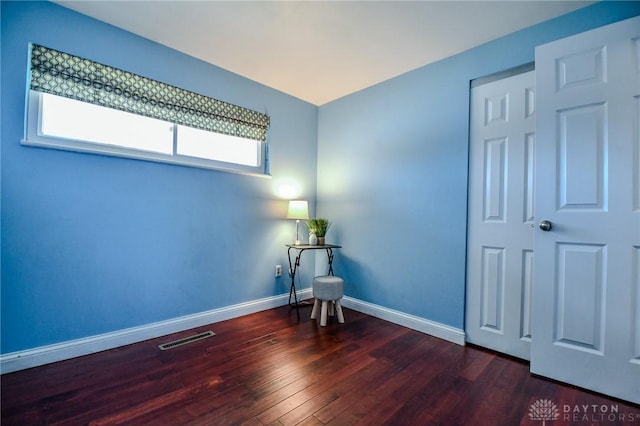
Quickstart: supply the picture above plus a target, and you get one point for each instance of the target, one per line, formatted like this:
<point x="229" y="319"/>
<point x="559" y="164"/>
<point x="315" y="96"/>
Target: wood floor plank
<point x="350" y="390"/>
<point x="269" y="368"/>
<point x="381" y="402"/>
<point x="474" y="363"/>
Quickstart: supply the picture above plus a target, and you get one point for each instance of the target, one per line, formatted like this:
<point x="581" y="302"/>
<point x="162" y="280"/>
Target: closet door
<point x="500" y="220"/>
<point x="586" y="293"/>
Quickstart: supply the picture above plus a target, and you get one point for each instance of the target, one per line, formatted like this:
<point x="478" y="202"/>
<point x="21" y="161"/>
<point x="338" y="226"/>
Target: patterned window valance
<point x="77" y="78"/>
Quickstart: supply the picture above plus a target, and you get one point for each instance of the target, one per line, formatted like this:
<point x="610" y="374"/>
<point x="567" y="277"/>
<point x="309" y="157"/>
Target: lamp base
<point x="297" y="243"/>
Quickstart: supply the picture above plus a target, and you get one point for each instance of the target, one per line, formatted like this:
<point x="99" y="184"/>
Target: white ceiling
<point x="322" y="50"/>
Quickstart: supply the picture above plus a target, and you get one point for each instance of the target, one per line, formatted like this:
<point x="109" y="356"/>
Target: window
<point x="214" y="146"/>
<point x="65" y="118"/>
<point x="62" y="123"/>
<point x="75" y="104"/>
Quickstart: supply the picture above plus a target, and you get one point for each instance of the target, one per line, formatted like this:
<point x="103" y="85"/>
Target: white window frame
<point x="34" y="137"/>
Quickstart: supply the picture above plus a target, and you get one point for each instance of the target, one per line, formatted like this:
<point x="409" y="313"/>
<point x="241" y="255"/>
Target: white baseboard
<point x="21" y="360"/>
<point x="432" y="328"/>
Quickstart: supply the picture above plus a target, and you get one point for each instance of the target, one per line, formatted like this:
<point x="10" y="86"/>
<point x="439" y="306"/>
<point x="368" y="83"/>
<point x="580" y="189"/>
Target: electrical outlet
<point x="278" y="271"/>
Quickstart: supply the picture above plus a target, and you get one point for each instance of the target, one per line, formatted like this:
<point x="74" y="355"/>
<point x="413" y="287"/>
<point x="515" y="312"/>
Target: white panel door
<point x="586" y="293"/>
<point x="500" y="220"/>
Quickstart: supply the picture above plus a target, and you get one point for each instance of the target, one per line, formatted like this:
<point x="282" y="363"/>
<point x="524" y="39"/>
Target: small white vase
<point x="313" y="240"/>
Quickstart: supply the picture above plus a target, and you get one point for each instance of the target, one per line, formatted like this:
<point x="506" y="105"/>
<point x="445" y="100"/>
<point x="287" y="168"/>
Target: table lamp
<point x="298" y="209"/>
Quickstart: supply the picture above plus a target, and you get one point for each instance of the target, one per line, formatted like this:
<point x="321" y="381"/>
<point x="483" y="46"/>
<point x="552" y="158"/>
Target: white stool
<point x="329" y="289"/>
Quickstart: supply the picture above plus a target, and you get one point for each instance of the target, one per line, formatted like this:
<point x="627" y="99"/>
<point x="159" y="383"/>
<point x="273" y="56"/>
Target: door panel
<point x="495" y="191"/>
<point x="580" y="69"/>
<point x="527" y="288"/>
<point x="636" y="157"/>
<point x="636" y="310"/>
<point x="529" y="170"/>
<point x="580" y="295"/>
<point x="585" y="293"/>
<point x="501" y="214"/>
<point x="582" y="157"/>
<point x="492" y="289"/>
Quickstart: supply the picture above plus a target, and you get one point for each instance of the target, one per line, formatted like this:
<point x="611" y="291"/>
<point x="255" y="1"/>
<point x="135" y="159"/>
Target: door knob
<point x="545" y="225"/>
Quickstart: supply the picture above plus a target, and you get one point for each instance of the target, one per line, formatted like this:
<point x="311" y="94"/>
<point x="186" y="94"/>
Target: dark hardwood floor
<point x="270" y="369"/>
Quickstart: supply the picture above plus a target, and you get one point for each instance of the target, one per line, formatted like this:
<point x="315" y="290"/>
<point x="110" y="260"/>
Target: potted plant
<point x="317" y="227"/>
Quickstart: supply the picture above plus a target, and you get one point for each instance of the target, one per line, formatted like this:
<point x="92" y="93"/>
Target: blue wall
<point x="93" y="244"/>
<point x="392" y="172"/>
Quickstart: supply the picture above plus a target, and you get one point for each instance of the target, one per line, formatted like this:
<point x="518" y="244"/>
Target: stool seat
<point x="328" y="290"/>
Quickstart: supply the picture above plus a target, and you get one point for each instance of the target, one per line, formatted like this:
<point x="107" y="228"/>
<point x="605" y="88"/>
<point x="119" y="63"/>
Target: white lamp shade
<point x="298" y="209"/>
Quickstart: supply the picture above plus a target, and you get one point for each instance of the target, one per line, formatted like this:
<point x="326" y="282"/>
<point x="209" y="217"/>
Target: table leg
<point x="330" y="261"/>
<point x="292" y="289"/>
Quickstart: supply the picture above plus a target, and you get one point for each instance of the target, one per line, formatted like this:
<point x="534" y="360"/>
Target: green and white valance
<point x="77" y="78"/>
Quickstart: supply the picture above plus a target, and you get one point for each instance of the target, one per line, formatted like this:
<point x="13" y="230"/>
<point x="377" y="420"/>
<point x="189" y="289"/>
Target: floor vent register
<point x="186" y="340"/>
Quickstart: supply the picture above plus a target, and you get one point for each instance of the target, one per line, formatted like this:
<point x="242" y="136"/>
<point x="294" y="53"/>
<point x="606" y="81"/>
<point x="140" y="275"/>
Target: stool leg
<point x="323" y="314"/>
<point x="314" y="310"/>
<point x="331" y="312"/>
<point x="339" y="312"/>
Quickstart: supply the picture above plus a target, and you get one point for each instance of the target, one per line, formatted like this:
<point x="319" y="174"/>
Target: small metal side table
<point x="293" y="266"/>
